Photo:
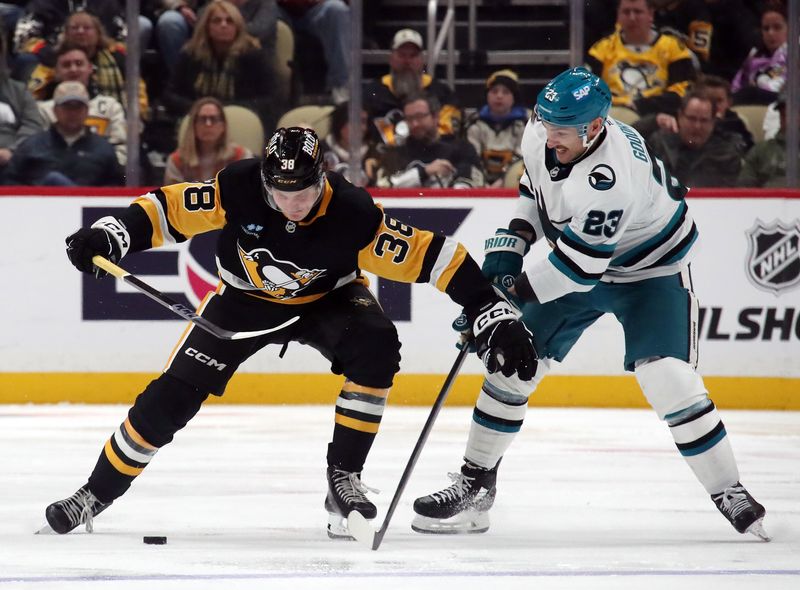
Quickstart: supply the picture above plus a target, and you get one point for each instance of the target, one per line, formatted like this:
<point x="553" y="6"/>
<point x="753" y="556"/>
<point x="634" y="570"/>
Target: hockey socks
<point x="496" y="419"/>
<point x="124" y="456"/>
<point x="359" y="410"/>
<point x="702" y="440"/>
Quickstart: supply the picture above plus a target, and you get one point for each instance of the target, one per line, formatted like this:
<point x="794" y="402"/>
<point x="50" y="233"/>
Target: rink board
<point x="67" y="337"/>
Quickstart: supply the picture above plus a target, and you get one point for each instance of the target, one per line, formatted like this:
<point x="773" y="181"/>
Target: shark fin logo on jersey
<point x="602" y="177"/>
<point x="280" y="279"/>
<point x="773" y="255"/>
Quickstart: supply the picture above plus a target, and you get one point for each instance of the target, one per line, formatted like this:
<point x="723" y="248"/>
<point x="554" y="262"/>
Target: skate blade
<point x="337" y="527"/>
<point x="757" y="529"/>
<point x="45" y="530"/>
<point x="361" y="529"/>
<point x="467" y="522"/>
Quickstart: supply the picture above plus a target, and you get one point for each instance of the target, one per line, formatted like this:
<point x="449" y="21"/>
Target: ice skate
<point x="80" y="508"/>
<point x="742" y="511"/>
<point x="461" y="508"/>
<point x="346" y="492"/>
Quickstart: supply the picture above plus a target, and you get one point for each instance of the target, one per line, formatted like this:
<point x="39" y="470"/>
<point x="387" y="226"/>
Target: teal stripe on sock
<point x="705" y="446"/>
<point x="494" y="425"/>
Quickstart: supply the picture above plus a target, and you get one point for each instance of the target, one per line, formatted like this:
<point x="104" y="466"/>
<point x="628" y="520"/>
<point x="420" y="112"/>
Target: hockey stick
<point x="180" y="309"/>
<point x="358" y="526"/>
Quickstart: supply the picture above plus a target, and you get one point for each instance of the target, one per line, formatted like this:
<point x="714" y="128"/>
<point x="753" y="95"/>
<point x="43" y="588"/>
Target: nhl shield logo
<point x="773" y="255"/>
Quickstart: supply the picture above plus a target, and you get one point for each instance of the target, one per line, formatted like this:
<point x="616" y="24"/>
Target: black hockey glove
<point x="503" y="342"/>
<point x="107" y="237"/>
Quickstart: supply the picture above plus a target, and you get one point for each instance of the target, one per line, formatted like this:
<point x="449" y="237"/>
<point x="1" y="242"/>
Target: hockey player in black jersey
<point x="293" y="243"/>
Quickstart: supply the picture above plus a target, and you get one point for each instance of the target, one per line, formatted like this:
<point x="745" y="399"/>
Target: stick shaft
<point x="423" y="437"/>
<point x="178" y="308"/>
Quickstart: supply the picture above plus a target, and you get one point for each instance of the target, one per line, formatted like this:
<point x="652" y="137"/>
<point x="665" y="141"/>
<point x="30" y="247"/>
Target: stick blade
<point x="361" y="529"/>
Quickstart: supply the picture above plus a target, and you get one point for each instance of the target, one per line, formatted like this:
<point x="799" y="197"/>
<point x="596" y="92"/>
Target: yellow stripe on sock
<point x="352" y="387"/>
<point x="118" y="464"/>
<point x="136" y="436"/>
<point x="360" y="425"/>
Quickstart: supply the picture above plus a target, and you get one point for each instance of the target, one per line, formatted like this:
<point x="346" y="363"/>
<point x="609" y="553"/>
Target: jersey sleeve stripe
<point x="679" y="250"/>
<point x="639" y="253"/>
<point x="176" y="235"/>
<point x="449" y="260"/>
<point x="159" y="201"/>
<point x="591" y="250"/>
<point x="571" y="270"/>
<point x="588" y="264"/>
<point x="524" y="191"/>
<point x="151" y="208"/>
<point x="430" y="258"/>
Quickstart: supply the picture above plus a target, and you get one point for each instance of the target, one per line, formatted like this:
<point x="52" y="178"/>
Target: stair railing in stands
<point x="435" y="42"/>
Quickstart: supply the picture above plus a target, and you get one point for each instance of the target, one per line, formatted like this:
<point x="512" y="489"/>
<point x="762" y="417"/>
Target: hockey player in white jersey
<point x="621" y="238"/>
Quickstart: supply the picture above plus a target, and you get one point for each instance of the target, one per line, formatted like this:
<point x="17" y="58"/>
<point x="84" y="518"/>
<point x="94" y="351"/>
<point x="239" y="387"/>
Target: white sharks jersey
<point x="614" y="215"/>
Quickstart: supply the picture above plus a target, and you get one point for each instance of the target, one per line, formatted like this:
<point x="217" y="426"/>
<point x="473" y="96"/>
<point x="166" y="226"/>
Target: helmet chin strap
<point x="587" y="143"/>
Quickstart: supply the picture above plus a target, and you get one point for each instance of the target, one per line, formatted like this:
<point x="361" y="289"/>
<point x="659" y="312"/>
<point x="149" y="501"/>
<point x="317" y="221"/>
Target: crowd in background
<point x="678" y="70"/>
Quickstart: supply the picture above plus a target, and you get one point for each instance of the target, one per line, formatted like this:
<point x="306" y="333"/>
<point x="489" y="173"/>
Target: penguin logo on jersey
<point x="602" y="177"/>
<point x="280" y="279"/>
<point x="637" y="77"/>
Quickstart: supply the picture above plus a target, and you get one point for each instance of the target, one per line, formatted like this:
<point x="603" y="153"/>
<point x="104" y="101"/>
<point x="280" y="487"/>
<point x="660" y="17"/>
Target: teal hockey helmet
<point x="574" y="98"/>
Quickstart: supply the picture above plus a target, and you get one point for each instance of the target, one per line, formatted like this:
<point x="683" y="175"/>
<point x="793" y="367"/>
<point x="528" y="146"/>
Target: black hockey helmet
<point x="292" y="160"/>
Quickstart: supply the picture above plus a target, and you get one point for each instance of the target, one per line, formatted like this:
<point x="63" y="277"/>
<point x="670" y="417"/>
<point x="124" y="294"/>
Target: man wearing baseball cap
<point x="68" y="153"/>
<point x="383" y="98"/>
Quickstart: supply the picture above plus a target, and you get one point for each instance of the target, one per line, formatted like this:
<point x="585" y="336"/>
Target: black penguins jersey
<point x="261" y="252"/>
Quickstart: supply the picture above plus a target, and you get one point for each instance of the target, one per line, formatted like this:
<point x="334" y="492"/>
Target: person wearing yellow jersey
<point x="646" y="71"/>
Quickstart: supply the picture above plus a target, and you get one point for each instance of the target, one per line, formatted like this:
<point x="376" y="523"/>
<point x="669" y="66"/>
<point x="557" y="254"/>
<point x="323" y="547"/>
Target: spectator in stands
<point x="695" y="154"/>
<point x="261" y="18"/>
<point x="37" y="32"/>
<point x="426" y="159"/>
<point x="107" y="57"/>
<point x="728" y="121"/>
<point x="224" y="61"/>
<point x="735" y="28"/>
<point x="383" y="99"/>
<point x="763" y="73"/>
<point x="328" y="21"/>
<point x="174" y="25"/>
<point x="106" y="115"/>
<point x="495" y="131"/>
<point x="204" y="147"/>
<point x="765" y="165"/>
<point x="336" y="147"/>
<point x="67" y="154"/>
<point x="690" y="20"/>
<point x="646" y="71"/>
<point x="19" y="116"/>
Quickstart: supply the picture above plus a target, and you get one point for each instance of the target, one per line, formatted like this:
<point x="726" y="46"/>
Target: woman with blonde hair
<point x="224" y="61"/>
<point x="86" y="31"/>
<point x="203" y="147"/>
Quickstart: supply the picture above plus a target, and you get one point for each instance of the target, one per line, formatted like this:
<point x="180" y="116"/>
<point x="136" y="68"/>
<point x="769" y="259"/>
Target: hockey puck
<point x="155" y="540"/>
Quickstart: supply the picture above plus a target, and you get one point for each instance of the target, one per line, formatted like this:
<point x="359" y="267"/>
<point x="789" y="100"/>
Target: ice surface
<point x="594" y="499"/>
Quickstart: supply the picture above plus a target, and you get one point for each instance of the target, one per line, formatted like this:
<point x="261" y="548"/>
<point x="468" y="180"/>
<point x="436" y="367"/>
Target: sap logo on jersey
<point x="205" y="359"/>
<point x="581" y="92"/>
<point x="602" y="177"/>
